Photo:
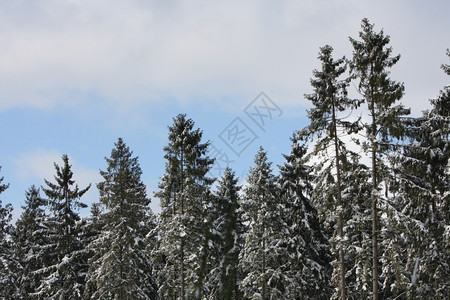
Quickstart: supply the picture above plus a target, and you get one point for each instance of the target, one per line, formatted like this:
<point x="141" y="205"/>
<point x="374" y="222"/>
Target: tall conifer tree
<point x="370" y="67"/>
<point x="9" y="265"/>
<point x="90" y="228"/>
<point x="121" y="268"/>
<point x="226" y="242"/>
<point x="183" y="224"/>
<point x="63" y="270"/>
<point x="28" y="238"/>
<point x="263" y="279"/>
<point x="304" y="250"/>
<point x="421" y="188"/>
<point x="329" y="101"/>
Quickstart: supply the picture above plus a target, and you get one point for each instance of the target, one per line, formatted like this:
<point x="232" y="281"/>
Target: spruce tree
<point x="90" y="229"/>
<point x="329" y="101"/>
<point x="9" y="265"/>
<point x="422" y="187"/>
<point x="121" y="268"/>
<point x="305" y="253"/>
<point x="226" y="242"/>
<point x="183" y="224"/>
<point x="263" y="278"/>
<point x="63" y="270"/>
<point x="370" y="66"/>
<point x="28" y="239"/>
<point x="357" y="219"/>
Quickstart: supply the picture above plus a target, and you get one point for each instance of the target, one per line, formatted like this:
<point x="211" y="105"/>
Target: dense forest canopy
<point x="359" y="209"/>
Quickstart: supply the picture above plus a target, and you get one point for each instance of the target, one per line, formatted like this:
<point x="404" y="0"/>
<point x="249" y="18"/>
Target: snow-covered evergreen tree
<point x="259" y="258"/>
<point x="421" y="205"/>
<point x="9" y="265"/>
<point x="370" y="67"/>
<point x="304" y="250"/>
<point x="64" y="272"/>
<point x="329" y="100"/>
<point x="121" y="268"/>
<point x="226" y="240"/>
<point x="356" y="222"/>
<point x="27" y="241"/>
<point x="357" y="229"/>
<point x="89" y="228"/>
<point x="183" y="225"/>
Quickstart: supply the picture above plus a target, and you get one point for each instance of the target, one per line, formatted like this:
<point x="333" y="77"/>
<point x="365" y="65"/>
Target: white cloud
<point x="37" y="164"/>
<point x="130" y="52"/>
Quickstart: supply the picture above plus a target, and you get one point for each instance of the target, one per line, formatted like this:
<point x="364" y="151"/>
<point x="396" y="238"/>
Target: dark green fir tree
<point x="421" y="186"/>
<point x="226" y="240"/>
<point x="183" y="224"/>
<point x="9" y="264"/>
<point x="304" y="252"/>
<point x="263" y="275"/>
<point x="326" y="128"/>
<point x="370" y="68"/>
<point x="29" y="237"/>
<point x="63" y="271"/>
<point x="121" y="267"/>
<point x="90" y="228"/>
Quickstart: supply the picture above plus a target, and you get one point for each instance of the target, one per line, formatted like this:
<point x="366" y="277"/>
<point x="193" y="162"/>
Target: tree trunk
<point x="340" y="205"/>
<point x="374" y="209"/>
<point x="182" y="269"/>
<point x="183" y="288"/>
<point x="263" y="293"/>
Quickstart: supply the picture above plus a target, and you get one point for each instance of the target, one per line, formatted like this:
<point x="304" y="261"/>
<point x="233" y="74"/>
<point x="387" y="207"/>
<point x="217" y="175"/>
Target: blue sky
<point x="76" y="75"/>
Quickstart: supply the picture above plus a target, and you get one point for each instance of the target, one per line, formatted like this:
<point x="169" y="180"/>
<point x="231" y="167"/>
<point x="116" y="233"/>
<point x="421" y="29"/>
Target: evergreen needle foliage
<point x="359" y="208"/>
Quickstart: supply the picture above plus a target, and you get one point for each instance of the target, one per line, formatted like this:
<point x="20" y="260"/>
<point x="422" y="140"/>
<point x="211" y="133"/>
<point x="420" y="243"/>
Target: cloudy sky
<point x="76" y="75"/>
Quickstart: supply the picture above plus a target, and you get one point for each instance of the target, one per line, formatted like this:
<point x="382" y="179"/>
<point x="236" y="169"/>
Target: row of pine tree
<point x="358" y="210"/>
